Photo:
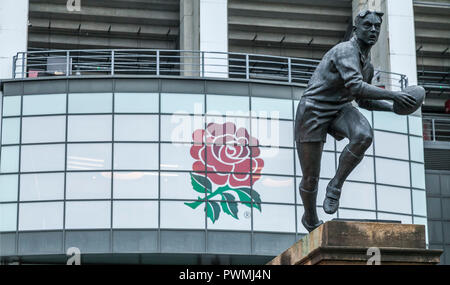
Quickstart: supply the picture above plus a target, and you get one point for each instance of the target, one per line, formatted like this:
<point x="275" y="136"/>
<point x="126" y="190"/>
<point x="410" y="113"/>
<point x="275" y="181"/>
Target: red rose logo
<point x="230" y="156"/>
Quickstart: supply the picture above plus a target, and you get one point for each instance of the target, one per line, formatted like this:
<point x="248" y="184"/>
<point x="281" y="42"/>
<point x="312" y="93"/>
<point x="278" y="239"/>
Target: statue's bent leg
<point x="353" y="125"/>
<point x="310" y="154"/>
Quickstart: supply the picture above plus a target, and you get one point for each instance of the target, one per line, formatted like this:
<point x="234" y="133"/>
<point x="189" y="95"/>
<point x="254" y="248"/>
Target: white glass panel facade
<point x="89" y="128"/>
<point x="88" y="185"/>
<point x="176" y="215"/>
<point x="136" y="102"/>
<point x="135" y="185"/>
<point x="88" y="215"/>
<point x="390" y="122"/>
<point x="10" y="131"/>
<point x="141" y="156"/>
<point x="8" y="188"/>
<point x="41" y="216"/>
<point x="176" y="157"/>
<point x="136" y="128"/>
<point x="8" y="217"/>
<point x="394" y="199"/>
<point x="277" y="160"/>
<point x="177" y="185"/>
<point x="392" y="172"/>
<point x="358" y="195"/>
<point x="88" y="156"/>
<point x="9" y="159"/>
<point x="418" y="175"/>
<point x="270" y="216"/>
<point x="272" y="108"/>
<point x="44" y="104"/>
<point x="182" y="103"/>
<point x="179" y="128"/>
<point x="273" y="132"/>
<point x="276" y="189"/>
<point x="391" y="145"/>
<point x="415" y="125"/>
<point x="11" y="105"/>
<point x="419" y="202"/>
<point x="228" y="105"/>
<point x="44" y="129"/>
<point x="227" y="222"/>
<point x="43" y="186"/>
<point x="90" y="103"/>
<point x="416" y="148"/>
<point x="36" y="158"/>
<point x="135" y="214"/>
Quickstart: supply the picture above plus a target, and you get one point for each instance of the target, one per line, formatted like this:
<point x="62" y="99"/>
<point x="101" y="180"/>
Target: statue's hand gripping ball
<point x="418" y="93"/>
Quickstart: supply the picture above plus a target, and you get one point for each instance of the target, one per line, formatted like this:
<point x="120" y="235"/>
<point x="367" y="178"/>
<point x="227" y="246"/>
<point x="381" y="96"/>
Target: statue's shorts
<point x="315" y="119"/>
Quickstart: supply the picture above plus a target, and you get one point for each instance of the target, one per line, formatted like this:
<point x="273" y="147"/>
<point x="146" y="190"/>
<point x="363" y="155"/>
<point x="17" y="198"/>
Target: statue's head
<point x="367" y="26"/>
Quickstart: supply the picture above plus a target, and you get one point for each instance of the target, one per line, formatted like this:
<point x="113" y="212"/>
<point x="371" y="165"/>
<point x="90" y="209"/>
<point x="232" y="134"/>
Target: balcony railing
<point x="175" y="63"/>
<point x="436" y="128"/>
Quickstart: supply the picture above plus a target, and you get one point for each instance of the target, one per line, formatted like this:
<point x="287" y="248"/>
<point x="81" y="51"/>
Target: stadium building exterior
<point x="161" y="132"/>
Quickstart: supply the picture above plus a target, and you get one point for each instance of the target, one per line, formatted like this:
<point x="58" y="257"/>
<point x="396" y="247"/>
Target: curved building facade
<point x="161" y="169"/>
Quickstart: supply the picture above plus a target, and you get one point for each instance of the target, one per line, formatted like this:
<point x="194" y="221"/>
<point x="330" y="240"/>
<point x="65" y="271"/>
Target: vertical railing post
<point x="23" y="65"/>
<point x="157" y="63"/>
<point x="433" y="129"/>
<point x="14" y="66"/>
<point x="203" y="63"/>
<point x="289" y="70"/>
<point x="247" y="67"/>
<point x="112" y="62"/>
<point x="67" y="62"/>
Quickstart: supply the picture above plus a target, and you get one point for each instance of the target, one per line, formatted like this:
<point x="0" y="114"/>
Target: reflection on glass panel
<point x="41" y="216"/>
<point x="44" y="129"/>
<point x="136" y="185"/>
<point x="228" y="105"/>
<point x="416" y="148"/>
<point x="177" y="185"/>
<point x="88" y="185"/>
<point x="419" y="202"/>
<point x="275" y="189"/>
<point x="136" y="128"/>
<point x="327" y="165"/>
<point x="270" y="217"/>
<point x="182" y="103"/>
<point x="44" y="104"/>
<point x="88" y="215"/>
<point x="8" y="188"/>
<point x="172" y="211"/>
<point x="176" y="157"/>
<point x="390" y="122"/>
<point x="273" y="132"/>
<point x="422" y="221"/>
<point x="358" y="196"/>
<point x="11" y="106"/>
<point x="418" y="175"/>
<point x="320" y="213"/>
<point x="393" y="199"/>
<point x="228" y="222"/>
<point x="136" y="156"/>
<point x="9" y="159"/>
<point x="10" y="131"/>
<point x="392" y="172"/>
<point x="135" y="214"/>
<point x="340" y="145"/>
<point x="364" y="171"/>
<point x="355" y="214"/>
<point x="392" y="217"/>
<point x="44" y="186"/>
<point x="272" y="108"/>
<point x="42" y="158"/>
<point x="88" y="156"/>
<point x="178" y="128"/>
<point x="8" y="217"/>
<point x="89" y="128"/>
<point x="277" y="160"/>
<point x="90" y="103"/>
<point x="391" y="145"/>
<point x="367" y="114"/>
<point x="415" y="125"/>
<point x="136" y="103"/>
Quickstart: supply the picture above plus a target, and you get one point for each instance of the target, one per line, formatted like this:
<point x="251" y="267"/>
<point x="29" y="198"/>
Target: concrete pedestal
<point x="360" y="243"/>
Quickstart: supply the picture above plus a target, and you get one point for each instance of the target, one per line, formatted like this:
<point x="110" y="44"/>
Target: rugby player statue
<point x="343" y="75"/>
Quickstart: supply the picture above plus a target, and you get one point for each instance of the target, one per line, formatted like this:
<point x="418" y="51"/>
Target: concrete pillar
<point x="396" y="48"/>
<point x="190" y="36"/>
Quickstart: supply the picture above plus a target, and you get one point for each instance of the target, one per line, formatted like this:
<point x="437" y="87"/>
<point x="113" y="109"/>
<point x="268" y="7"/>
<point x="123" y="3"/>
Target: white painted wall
<point x="214" y="36"/>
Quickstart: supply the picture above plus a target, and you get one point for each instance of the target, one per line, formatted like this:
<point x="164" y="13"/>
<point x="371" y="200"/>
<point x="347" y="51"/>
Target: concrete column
<point x="190" y="36"/>
<point x="396" y="48"/>
<point x="13" y="33"/>
<point x="214" y="36"/>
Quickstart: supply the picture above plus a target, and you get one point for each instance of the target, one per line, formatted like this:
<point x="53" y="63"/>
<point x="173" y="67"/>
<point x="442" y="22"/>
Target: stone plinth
<point x="353" y="243"/>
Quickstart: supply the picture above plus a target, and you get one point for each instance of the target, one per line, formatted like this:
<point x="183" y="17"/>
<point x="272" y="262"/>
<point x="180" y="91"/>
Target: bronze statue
<point x="343" y="75"/>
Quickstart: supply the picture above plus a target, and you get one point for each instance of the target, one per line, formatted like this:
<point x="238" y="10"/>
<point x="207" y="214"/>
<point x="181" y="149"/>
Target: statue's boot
<point x="331" y="202"/>
<point x="310" y="219"/>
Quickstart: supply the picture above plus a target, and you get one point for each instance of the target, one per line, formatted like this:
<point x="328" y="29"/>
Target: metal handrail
<point x="436" y="128"/>
<point x="175" y="63"/>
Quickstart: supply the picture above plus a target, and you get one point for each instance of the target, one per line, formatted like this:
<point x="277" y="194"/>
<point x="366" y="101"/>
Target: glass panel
<point x="232" y="126"/>
<point x="10" y="131"/>
<point x="177" y="128"/>
<point x="273" y="132"/>
<point x="9" y="159"/>
<point x="88" y="156"/>
<point x="8" y="217"/>
<point x="176" y="157"/>
<point x="136" y="103"/>
<point x="136" y="128"/>
<point x="89" y="128"/>
<point x="390" y="122"/>
<point x="41" y="216"/>
<point x="418" y="175"/>
<point x="136" y="156"/>
<point x="90" y="103"/>
<point x="416" y="148"/>
<point x="177" y="185"/>
<point x="275" y="189"/>
<point x="392" y="172"/>
<point x="392" y="217"/>
<point x="228" y="105"/>
<point x="419" y="202"/>
<point x="177" y="215"/>
<point x="44" y="104"/>
<point x="88" y="215"/>
<point x="182" y="103"/>
<point x="44" y="129"/>
<point x="277" y="161"/>
<point x="358" y="196"/>
<point x="272" y="108"/>
<point x="42" y="158"/>
<point x="355" y="214"/>
<point x="136" y="185"/>
<point x="393" y="199"/>
<point x="11" y="106"/>
<point x="327" y="165"/>
<point x="367" y="114"/>
<point x="364" y="171"/>
<point x="228" y="222"/>
<point x="46" y="186"/>
<point x="8" y="188"/>
<point x="391" y="145"/>
<point x="322" y="187"/>
<point x="88" y="185"/>
<point x="422" y="221"/>
<point x="415" y="125"/>
<point x="268" y="219"/>
<point x="142" y="214"/>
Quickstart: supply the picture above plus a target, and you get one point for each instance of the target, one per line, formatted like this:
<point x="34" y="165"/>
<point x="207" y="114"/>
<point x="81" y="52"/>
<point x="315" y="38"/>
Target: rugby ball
<point x="419" y="94"/>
